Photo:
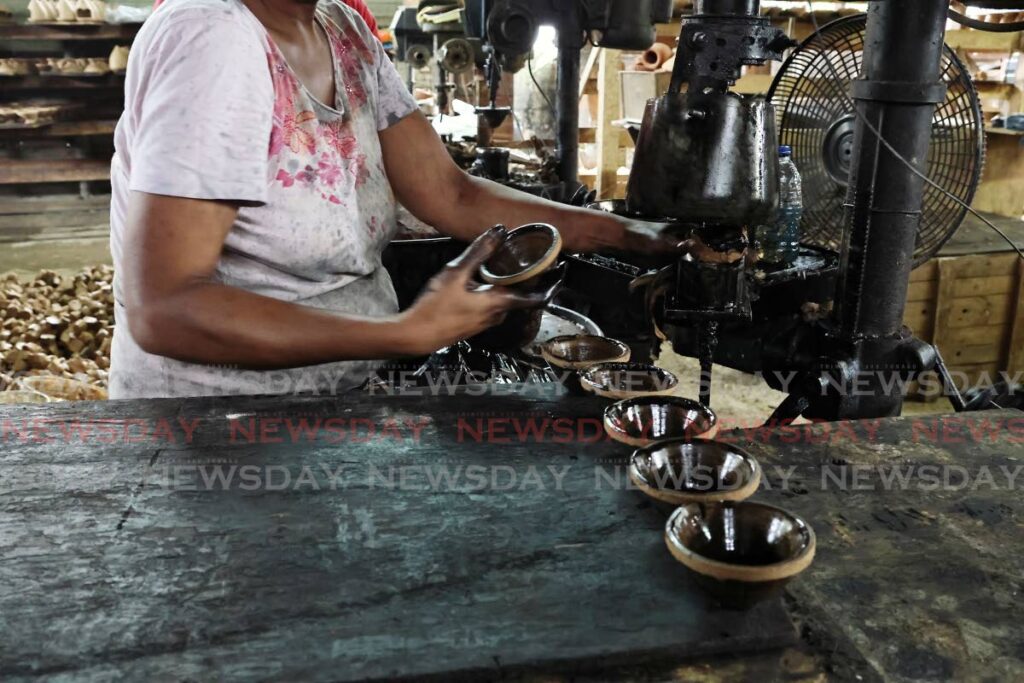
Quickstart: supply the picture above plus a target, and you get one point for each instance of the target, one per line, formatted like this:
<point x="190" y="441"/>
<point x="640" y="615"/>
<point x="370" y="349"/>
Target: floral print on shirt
<point x="318" y="151"/>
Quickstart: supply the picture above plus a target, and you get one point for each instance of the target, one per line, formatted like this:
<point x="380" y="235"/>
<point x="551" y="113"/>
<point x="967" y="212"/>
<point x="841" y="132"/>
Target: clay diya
<point x="572" y="353"/>
<point x="740" y="553"/>
<point x="526" y="252"/>
<point x="522" y="325"/>
<point x="580" y="351"/>
<point x="645" y="420"/>
<point x="681" y="471"/>
<point x="627" y="380"/>
<point x="527" y="262"/>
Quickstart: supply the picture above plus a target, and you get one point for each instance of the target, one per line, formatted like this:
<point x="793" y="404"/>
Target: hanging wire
<point x="913" y="169"/>
<point x="536" y="83"/>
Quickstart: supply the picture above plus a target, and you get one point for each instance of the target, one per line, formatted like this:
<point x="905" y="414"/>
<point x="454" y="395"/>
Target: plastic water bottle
<point x="781" y="242"/>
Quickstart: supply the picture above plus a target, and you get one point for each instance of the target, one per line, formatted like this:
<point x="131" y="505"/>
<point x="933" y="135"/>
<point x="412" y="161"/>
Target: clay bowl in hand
<point x="522" y="324"/>
<point x="681" y="471"/>
<point x="741" y="553"/>
<point x="527" y="251"/>
<point x="627" y="380"/>
<point x="644" y="420"/>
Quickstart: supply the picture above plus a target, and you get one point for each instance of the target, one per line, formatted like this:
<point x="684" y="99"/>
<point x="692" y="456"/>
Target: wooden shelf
<point x="32" y="82"/>
<point x="971" y="40"/>
<point x="14" y="171"/>
<point x="1004" y="131"/>
<point x="63" y="129"/>
<point x="68" y="32"/>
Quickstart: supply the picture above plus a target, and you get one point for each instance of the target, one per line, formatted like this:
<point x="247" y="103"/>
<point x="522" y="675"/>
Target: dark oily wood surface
<point x="920" y="526"/>
<point x="219" y="539"/>
<point x="112" y="566"/>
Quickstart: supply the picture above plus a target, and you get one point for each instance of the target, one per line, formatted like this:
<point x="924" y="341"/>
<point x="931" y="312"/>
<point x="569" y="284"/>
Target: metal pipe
<point x="901" y="85"/>
<point x="568" y="108"/>
<point x="736" y="8"/>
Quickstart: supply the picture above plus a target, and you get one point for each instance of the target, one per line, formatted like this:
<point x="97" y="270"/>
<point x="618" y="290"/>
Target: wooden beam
<point x="588" y="69"/>
<point x="68" y="31"/>
<point x="1015" y="355"/>
<point x="609" y="88"/>
<point x="14" y="171"/>
<point x="983" y="41"/>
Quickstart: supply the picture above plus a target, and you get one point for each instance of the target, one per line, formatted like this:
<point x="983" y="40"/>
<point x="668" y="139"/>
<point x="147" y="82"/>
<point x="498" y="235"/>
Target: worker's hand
<point x="644" y="237"/>
<point x="453" y="306"/>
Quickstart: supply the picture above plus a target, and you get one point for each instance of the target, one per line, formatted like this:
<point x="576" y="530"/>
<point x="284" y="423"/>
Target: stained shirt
<point x="213" y="111"/>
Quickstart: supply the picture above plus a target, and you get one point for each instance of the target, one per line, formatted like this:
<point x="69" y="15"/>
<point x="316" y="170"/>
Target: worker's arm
<point x="438" y="192"/>
<point x="175" y="309"/>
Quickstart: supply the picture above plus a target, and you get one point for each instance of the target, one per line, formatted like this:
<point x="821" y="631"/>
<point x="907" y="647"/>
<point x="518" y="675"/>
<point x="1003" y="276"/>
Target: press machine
<point x="826" y="329"/>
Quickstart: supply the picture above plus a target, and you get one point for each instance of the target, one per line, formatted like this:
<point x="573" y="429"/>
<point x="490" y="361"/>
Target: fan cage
<point x="809" y="98"/>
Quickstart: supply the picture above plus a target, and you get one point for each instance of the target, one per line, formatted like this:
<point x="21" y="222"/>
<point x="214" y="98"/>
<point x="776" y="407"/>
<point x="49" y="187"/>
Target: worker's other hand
<point x="454" y="306"/>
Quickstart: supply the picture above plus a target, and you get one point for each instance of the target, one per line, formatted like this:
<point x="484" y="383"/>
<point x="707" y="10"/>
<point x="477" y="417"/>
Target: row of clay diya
<point x="739" y="551"/>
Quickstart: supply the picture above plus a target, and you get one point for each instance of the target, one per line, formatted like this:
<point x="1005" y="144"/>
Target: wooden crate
<point x="972" y="308"/>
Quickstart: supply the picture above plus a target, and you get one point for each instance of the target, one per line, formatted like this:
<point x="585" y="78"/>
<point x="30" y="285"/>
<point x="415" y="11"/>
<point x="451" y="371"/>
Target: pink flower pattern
<point x="326" y="152"/>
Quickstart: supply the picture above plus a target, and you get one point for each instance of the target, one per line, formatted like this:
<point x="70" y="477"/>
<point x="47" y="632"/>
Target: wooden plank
<point x="983" y="41"/>
<point x="920" y="319"/>
<point x="922" y="291"/>
<point x="56" y="83"/>
<point x="161" y="578"/>
<point x="588" y="68"/>
<point x="983" y="286"/>
<point x="13" y="171"/>
<point x="84" y="216"/>
<point x="982" y="353"/>
<point x="68" y="32"/>
<point x="943" y="303"/>
<point x="65" y="129"/>
<point x="977" y="336"/>
<point x="54" y="233"/>
<point x="378" y="572"/>
<point x="608" y="154"/>
<point x="52" y="203"/>
<point x="1002" y="186"/>
<point x="1015" y="350"/>
<point x="589" y="134"/>
<point x="969" y="376"/>
<point x="994" y="309"/>
<point x="926" y="271"/>
<point x="986" y="265"/>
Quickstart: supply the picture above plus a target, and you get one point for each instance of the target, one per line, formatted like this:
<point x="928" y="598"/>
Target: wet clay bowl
<point x="645" y="420"/>
<point x="627" y="380"/>
<point x="681" y="471"/>
<point x="740" y="553"/>
<point x="526" y="252"/>
<point x="580" y="351"/>
<point x="522" y="324"/>
<point x="571" y="353"/>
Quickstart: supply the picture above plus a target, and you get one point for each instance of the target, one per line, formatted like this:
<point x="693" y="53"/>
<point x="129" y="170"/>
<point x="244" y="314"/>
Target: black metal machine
<point x="827" y="328"/>
<point x="705" y="157"/>
<point x="498" y="34"/>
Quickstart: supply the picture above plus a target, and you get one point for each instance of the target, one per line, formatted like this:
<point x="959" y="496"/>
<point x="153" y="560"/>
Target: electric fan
<point x="816" y="118"/>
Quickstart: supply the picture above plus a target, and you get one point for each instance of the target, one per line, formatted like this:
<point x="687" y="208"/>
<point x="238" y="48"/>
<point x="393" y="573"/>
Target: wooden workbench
<point x="135" y="544"/>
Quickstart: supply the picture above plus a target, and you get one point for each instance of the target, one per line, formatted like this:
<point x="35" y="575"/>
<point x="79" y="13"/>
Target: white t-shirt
<point x="213" y="111"/>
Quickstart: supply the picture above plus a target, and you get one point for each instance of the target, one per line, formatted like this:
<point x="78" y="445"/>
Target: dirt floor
<point x="743" y="400"/>
<point x="63" y="256"/>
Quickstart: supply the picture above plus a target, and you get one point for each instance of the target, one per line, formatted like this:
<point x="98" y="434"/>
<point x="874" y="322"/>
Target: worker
<point x="257" y="166"/>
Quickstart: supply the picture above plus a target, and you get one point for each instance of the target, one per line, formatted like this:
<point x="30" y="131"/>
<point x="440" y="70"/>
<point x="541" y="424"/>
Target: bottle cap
<point x="785" y="151"/>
